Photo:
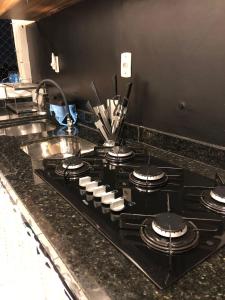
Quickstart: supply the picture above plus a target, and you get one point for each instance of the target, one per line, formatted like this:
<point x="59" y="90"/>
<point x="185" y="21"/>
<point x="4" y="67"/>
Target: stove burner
<point x="73" y="163"/>
<point x="169" y="225"/>
<point x="109" y="143"/>
<point x="215" y="199"/>
<point x="148" y="176"/>
<point x="119" y="154"/>
<point x="169" y="233"/>
<point x="218" y="194"/>
<point x="148" y="173"/>
<point x="72" y="167"/>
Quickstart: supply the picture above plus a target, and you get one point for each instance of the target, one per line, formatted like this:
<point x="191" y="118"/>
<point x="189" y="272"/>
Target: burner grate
<point x="166" y="232"/>
<point x="169" y="244"/>
<point x="212" y="197"/>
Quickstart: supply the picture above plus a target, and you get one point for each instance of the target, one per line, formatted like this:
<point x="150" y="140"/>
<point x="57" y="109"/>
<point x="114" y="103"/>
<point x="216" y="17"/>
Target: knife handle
<point x="115" y="85"/>
<point x="129" y="87"/>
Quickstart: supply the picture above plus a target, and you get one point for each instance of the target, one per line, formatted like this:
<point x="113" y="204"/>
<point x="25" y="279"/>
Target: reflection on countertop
<point x="27" y="128"/>
<point x="55" y="148"/>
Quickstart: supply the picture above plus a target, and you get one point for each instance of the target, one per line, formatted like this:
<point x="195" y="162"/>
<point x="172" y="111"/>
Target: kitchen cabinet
<point x="28" y="273"/>
<point x="32" y="9"/>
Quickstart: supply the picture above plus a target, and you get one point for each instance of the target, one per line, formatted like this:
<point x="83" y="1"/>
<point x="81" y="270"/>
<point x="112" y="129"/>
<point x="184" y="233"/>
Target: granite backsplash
<point x="201" y="151"/>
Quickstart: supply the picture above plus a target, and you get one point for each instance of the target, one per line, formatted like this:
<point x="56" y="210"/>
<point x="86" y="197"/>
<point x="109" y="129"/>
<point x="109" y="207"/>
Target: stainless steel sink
<point x="28" y="128"/>
<point x="57" y="147"/>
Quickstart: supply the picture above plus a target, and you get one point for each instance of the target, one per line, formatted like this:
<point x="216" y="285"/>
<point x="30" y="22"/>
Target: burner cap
<point x="169" y="225"/>
<point x="148" y="173"/>
<point x="119" y="151"/>
<point x="109" y="143"/>
<point x="71" y="168"/>
<point x="72" y="163"/>
<point x="218" y="194"/>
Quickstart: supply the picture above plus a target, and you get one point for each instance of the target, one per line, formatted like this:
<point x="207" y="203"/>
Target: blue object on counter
<point x="61" y="113"/>
<point x="14" y="77"/>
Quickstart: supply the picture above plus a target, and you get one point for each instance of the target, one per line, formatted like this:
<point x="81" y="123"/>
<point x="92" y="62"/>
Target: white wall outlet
<point x="52" y="64"/>
<point x="55" y="63"/>
<point x="126" y="64"/>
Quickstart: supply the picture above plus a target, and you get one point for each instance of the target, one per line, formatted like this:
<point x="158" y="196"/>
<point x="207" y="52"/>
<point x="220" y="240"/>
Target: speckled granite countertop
<point x="102" y="271"/>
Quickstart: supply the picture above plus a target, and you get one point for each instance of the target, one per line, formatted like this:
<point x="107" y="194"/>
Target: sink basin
<point x="28" y="128"/>
<point x="57" y="147"/>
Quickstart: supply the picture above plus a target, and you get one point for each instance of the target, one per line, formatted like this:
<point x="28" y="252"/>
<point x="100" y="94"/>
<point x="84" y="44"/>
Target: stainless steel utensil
<point x="111" y="118"/>
<point x="99" y="125"/>
<point x="102" y="113"/>
<point x="121" y="110"/>
<point x="104" y="117"/>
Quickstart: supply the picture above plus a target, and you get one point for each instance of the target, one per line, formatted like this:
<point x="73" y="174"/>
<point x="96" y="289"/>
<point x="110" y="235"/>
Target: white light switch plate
<point x="55" y="63"/>
<point x="126" y="64"/>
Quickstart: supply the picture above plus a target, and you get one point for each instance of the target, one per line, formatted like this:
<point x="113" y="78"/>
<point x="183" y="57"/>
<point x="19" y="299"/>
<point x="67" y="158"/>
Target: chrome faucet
<point x="52" y="82"/>
<point x="69" y="124"/>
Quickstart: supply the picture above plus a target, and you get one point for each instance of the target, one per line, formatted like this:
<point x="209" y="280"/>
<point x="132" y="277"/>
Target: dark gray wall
<point x="178" y="49"/>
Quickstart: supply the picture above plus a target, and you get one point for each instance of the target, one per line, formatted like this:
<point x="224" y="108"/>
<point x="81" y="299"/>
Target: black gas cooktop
<point x="165" y="219"/>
